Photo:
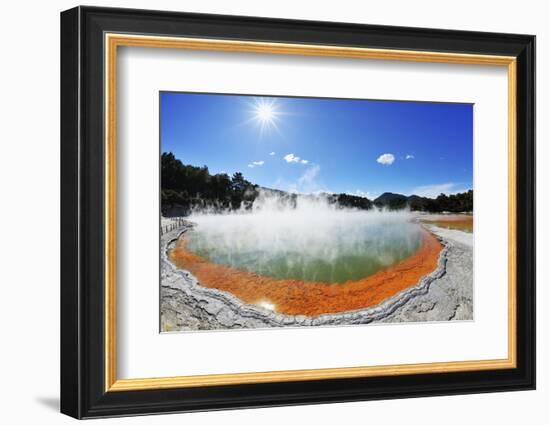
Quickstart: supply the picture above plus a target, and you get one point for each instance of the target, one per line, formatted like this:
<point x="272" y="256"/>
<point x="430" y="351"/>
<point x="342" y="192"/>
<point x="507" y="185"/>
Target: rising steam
<point x="307" y="239"/>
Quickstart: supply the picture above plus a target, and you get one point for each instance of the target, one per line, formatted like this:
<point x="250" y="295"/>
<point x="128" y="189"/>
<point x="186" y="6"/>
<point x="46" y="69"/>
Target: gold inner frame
<point x="113" y="41"/>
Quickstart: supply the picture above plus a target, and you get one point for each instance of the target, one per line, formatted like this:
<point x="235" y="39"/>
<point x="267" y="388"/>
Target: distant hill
<point x="388" y="197"/>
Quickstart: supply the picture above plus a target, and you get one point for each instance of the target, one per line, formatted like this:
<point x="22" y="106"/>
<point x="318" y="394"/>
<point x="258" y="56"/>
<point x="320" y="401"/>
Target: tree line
<point x="460" y="202"/>
<point x="186" y="188"/>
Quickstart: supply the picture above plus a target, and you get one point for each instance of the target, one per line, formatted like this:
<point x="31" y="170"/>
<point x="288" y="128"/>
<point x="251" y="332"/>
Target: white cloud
<point x="293" y="158"/>
<point x="271" y="153"/>
<point x="308" y="182"/>
<point x="434" y="190"/>
<point x="386" y="159"/>
<point x="256" y="164"/>
<point x="409" y="156"/>
<point x="309" y="176"/>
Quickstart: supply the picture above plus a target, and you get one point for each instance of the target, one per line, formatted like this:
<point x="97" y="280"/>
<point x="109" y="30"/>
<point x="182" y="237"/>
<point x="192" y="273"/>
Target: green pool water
<point x="331" y="249"/>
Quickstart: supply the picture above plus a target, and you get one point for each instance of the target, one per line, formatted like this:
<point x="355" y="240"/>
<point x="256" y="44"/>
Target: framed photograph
<point x="261" y="212"/>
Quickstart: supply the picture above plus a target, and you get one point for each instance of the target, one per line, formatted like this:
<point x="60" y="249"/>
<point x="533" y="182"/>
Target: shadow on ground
<point x="49" y="402"/>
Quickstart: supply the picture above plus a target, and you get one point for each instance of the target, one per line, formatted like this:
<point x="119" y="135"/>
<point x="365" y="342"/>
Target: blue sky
<point x="362" y="147"/>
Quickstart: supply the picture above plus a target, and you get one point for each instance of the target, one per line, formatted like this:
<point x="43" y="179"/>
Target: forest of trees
<point x="460" y="202"/>
<point x="185" y="188"/>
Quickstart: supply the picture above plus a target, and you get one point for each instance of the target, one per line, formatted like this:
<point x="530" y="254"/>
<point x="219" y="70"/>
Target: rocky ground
<point x="445" y="294"/>
<point x="449" y="297"/>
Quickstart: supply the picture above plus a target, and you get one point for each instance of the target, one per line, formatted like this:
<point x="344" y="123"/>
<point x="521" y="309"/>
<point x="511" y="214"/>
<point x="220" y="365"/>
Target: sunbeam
<point x="266" y="113"/>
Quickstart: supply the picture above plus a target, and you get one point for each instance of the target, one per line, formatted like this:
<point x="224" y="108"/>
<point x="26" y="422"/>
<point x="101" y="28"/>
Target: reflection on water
<point x="309" y="243"/>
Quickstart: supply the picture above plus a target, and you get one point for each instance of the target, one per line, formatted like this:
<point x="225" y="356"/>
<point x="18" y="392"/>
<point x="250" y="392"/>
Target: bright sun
<point x="266" y="113"/>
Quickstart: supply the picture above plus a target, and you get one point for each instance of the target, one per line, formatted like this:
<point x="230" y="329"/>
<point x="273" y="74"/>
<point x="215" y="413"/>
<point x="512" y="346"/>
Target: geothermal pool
<point x="309" y="260"/>
<point x="314" y="244"/>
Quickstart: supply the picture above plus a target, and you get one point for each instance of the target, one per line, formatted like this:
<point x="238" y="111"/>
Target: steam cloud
<point x="307" y="239"/>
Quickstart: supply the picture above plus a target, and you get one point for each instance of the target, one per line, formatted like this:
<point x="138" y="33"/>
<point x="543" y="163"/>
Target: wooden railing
<point x="176" y="223"/>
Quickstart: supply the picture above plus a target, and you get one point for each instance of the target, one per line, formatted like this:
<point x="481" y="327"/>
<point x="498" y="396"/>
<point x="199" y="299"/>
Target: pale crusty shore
<point x="449" y="297"/>
<point x="445" y="294"/>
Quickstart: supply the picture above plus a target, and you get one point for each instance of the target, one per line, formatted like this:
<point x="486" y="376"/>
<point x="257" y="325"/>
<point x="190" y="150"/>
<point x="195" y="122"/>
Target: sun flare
<point x="266" y="114"/>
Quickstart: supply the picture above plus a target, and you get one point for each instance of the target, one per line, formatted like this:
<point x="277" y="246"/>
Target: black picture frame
<point x="83" y="392"/>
